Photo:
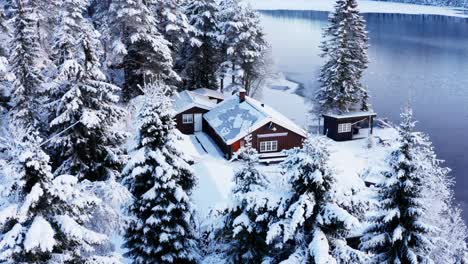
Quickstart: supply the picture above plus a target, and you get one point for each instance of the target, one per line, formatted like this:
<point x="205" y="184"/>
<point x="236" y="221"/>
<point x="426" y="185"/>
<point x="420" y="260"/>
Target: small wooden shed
<point x="348" y="126"/>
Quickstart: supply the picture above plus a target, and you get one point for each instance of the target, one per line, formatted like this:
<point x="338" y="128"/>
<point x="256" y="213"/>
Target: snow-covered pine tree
<point x="243" y="229"/>
<point x="253" y="47"/>
<point x="25" y="65"/>
<point x="242" y="42"/>
<point x="345" y="50"/>
<point x="83" y="104"/>
<point x="137" y="47"/>
<point x="449" y="238"/>
<point x="161" y="181"/>
<point x="172" y="22"/>
<point x="200" y="56"/>
<point x="398" y="231"/>
<point x="42" y="218"/>
<point x="4" y="71"/>
<point x="312" y="227"/>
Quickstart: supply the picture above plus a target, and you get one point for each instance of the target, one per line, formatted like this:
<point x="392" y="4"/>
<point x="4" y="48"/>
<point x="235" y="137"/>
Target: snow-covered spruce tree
<point x="137" y="47"/>
<point x="83" y="105"/>
<point x="161" y="181"/>
<point x="398" y="231"/>
<point x="42" y="218"/>
<point x="26" y="66"/>
<point x="200" y="56"/>
<point x="345" y="50"/>
<point x="243" y="229"/>
<point x="172" y="22"/>
<point x="312" y="227"/>
<point x="242" y="42"/>
<point x="449" y="238"/>
<point x="4" y="65"/>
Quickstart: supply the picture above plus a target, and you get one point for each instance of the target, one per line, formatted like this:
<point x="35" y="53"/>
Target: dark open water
<point x="421" y="58"/>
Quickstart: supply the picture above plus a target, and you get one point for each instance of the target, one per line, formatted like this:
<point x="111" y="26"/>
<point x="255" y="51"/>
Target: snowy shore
<point x="364" y="5"/>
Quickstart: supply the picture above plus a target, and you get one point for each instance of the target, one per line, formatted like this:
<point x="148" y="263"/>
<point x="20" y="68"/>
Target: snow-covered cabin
<point x="190" y="106"/>
<point x="239" y="116"/>
<point x="213" y="95"/>
<point x="348" y="126"/>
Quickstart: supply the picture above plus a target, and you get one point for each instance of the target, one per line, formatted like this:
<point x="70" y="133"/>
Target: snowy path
<point x="365" y="6"/>
<point x="213" y="171"/>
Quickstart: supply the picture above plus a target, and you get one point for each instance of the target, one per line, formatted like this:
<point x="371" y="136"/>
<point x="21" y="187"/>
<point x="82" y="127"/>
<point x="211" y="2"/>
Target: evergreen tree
<point x="42" y="219"/>
<point x="200" y="55"/>
<point x="345" y="50"/>
<point x="83" y="104"/>
<point x="172" y="22"/>
<point x="244" y="231"/>
<point x="25" y="65"/>
<point x="137" y="47"/>
<point x="4" y="74"/>
<point x="449" y="238"/>
<point x="312" y="226"/>
<point x="398" y="232"/>
<point x="161" y="181"/>
<point x="242" y="41"/>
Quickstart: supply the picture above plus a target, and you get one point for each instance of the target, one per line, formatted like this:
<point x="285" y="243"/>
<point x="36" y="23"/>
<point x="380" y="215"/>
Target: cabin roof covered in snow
<point x="351" y="114"/>
<point x="232" y="120"/>
<point x="209" y="93"/>
<point x="186" y="100"/>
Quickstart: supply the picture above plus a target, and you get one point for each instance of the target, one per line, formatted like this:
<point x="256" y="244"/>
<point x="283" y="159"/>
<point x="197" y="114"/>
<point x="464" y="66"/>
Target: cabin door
<point x="198" y="122"/>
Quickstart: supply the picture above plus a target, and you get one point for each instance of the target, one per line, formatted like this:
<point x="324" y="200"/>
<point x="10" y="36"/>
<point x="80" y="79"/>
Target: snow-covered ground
<point x="350" y="159"/>
<point x="364" y="5"/>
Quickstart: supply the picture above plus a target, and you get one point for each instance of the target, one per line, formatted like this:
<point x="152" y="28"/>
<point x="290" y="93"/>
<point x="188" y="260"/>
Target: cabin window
<point x="268" y="146"/>
<point x="187" y="119"/>
<point x="344" y="128"/>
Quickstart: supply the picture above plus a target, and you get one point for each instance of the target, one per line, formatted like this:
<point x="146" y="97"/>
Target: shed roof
<point x="186" y="100"/>
<point x="232" y="120"/>
<point x="351" y="115"/>
<point x="210" y="93"/>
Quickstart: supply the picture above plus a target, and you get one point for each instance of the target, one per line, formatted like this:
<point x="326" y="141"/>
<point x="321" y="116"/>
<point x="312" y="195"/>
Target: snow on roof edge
<point x="182" y="105"/>
<point x="351" y="114"/>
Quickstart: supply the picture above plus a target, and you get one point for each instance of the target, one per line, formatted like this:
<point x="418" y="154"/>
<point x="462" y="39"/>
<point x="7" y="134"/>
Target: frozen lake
<point x="421" y="58"/>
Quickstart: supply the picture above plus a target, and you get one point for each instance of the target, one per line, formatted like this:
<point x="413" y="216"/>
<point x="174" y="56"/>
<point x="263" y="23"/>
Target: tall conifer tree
<point x="161" y="181"/>
<point x="137" y="47"/>
<point x="83" y="103"/>
<point x="345" y="51"/>
<point x="200" y="56"/>
<point x="26" y="66"/>
<point x="242" y="42"/>
<point x="398" y="232"/>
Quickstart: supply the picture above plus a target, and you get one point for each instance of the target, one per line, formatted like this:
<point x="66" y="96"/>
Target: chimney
<point x="242" y="93"/>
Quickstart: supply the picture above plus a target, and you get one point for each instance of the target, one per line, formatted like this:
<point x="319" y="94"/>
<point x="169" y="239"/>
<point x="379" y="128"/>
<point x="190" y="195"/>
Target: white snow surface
<point x="365" y="6"/>
<point x="350" y="160"/>
<point x="40" y="236"/>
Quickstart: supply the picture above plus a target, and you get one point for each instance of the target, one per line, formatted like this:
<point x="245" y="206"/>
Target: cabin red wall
<point x="236" y="146"/>
<point x="291" y="140"/>
<point x="187" y="128"/>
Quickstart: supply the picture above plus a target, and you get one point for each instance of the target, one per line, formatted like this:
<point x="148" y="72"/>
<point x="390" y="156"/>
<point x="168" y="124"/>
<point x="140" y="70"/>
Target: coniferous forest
<point x="92" y="168"/>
